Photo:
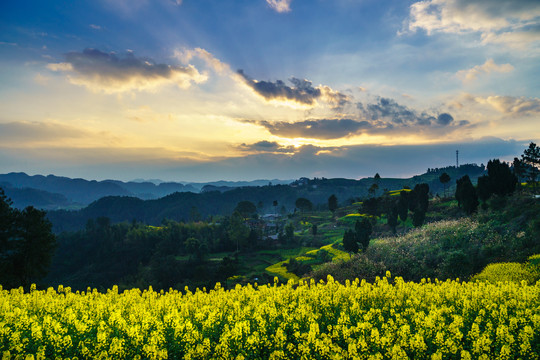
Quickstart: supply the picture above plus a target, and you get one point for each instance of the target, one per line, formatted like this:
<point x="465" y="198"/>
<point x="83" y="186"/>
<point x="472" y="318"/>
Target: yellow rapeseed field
<point x="390" y="319"/>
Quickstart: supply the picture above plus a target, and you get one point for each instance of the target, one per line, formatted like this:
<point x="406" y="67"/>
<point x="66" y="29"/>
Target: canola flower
<point x="390" y="319"/>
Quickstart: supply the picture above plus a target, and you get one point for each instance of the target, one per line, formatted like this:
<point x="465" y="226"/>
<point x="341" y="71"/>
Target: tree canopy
<point x="531" y="161"/>
<point x="332" y="203"/>
<point x="26" y="244"/>
<point x="466" y="195"/>
<point x="246" y="208"/>
<point x="444" y="179"/>
<point x="303" y="204"/>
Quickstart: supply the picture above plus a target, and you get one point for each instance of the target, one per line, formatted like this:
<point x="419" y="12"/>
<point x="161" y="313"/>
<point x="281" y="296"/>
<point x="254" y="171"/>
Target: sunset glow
<point x="208" y="90"/>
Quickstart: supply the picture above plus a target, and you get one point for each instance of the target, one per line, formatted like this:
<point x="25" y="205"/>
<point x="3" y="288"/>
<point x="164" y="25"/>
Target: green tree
<point x="196" y="248"/>
<point x="349" y="242"/>
<point x="373" y="189"/>
<point x="26" y="244"/>
<point x="531" y="160"/>
<point x="238" y="232"/>
<point x="372" y="206"/>
<point x="483" y="188"/>
<point x="303" y="204"/>
<point x="466" y="195"/>
<point x="332" y="203"/>
<point x="518" y="168"/>
<point x="403" y="205"/>
<point x="502" y="180"/>
<point x="418" y="217"/>
<point x="392" y="218"/>
<point x="227" y="267"/>
<point x="7" y="222"/>
<point x="289" y="233"/>
<point x="246" y="208"/>
<point x="363" y="230"/>
<point x="419" y="197"/>
<point x="444" y="179"/>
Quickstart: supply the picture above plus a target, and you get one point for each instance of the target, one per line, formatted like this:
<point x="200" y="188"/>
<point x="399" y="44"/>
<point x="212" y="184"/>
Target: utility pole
<point x="457" y="159"/>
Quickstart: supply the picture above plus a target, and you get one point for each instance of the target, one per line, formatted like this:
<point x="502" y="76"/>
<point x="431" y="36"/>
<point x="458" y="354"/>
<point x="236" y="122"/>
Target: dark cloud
<point x="444" y="119"/>
<point x="388" y="111"/>
<point x="94" y="68"/>
<point x="384" y="116"/>
<point x="302" y="90"/>
<point x="266" y="146"/>
<point x="325" y="129"/>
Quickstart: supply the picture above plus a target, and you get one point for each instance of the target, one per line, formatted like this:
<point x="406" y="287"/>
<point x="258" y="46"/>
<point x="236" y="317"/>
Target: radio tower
<point x="457" y="159"/>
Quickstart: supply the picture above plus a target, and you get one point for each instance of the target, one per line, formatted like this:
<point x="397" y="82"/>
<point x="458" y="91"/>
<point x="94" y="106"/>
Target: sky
<point x="204" y="90"/>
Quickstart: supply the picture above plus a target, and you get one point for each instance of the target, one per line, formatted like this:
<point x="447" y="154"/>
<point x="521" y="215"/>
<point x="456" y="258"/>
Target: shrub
<point x="359" y="266"/>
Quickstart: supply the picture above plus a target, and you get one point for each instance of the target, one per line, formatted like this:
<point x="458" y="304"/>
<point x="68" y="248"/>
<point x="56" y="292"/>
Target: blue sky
<point x="199" y="90"/>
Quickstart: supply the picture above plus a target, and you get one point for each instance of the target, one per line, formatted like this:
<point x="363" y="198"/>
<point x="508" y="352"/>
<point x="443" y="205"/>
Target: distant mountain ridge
<point x="152" y="203"/>
<point x="57" y="192"/>
<point x="215" y="200"/>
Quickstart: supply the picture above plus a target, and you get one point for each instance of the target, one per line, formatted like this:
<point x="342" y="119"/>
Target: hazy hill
<point x="56" y="192"/>
<point x="74" y="190"/>
<point x="186" y="206"/>
<point x="33" y="197"/>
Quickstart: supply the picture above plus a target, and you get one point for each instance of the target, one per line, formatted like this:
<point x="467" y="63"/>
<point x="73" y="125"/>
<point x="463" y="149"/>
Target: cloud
<point x="186" y="55"/>
<point x="337" y="100"/>
<point x="388" y="111"/>
<point x="325" y="129"/>
<point x="110" y="73"/>
<point x="519" y="40"/>
<point x="510" y="105"/>
<point x="444" y="119"/>
<point x="382" y="117"/>
<point x="95" y="27"/>
<point x="359" y="161"/>
<point x="302" y="92"/>
<point x="25" y="132"/>
<point x="488" y="67"/>
<point x="331" y="162"/>
<point x="281" y="6"/>
<point x="487" y="17"/>
<point x="265" y="146"/>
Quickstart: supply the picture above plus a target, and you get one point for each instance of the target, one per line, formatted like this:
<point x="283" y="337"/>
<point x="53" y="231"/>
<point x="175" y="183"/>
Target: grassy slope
<point x="459" y="247"/>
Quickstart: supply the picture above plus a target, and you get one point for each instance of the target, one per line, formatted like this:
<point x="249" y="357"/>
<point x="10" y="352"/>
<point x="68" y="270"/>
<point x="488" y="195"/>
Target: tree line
<point x="26" y="244"/>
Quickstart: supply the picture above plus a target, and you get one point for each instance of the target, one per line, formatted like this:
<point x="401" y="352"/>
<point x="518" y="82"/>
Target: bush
<point x="504" y="272"/>
<point x="445" y="249"/>
<point x="516" y="272"/>
<point x="359" y="266"/>
<point x="297" y="267"/>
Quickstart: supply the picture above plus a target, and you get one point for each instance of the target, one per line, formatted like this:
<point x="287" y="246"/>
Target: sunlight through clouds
<point x="110" y="73"/>
<point x="225" y="84"/>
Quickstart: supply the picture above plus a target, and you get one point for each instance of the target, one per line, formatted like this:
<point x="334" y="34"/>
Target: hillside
<point x="183" y="206"/>
<point x="56" y="192"/>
